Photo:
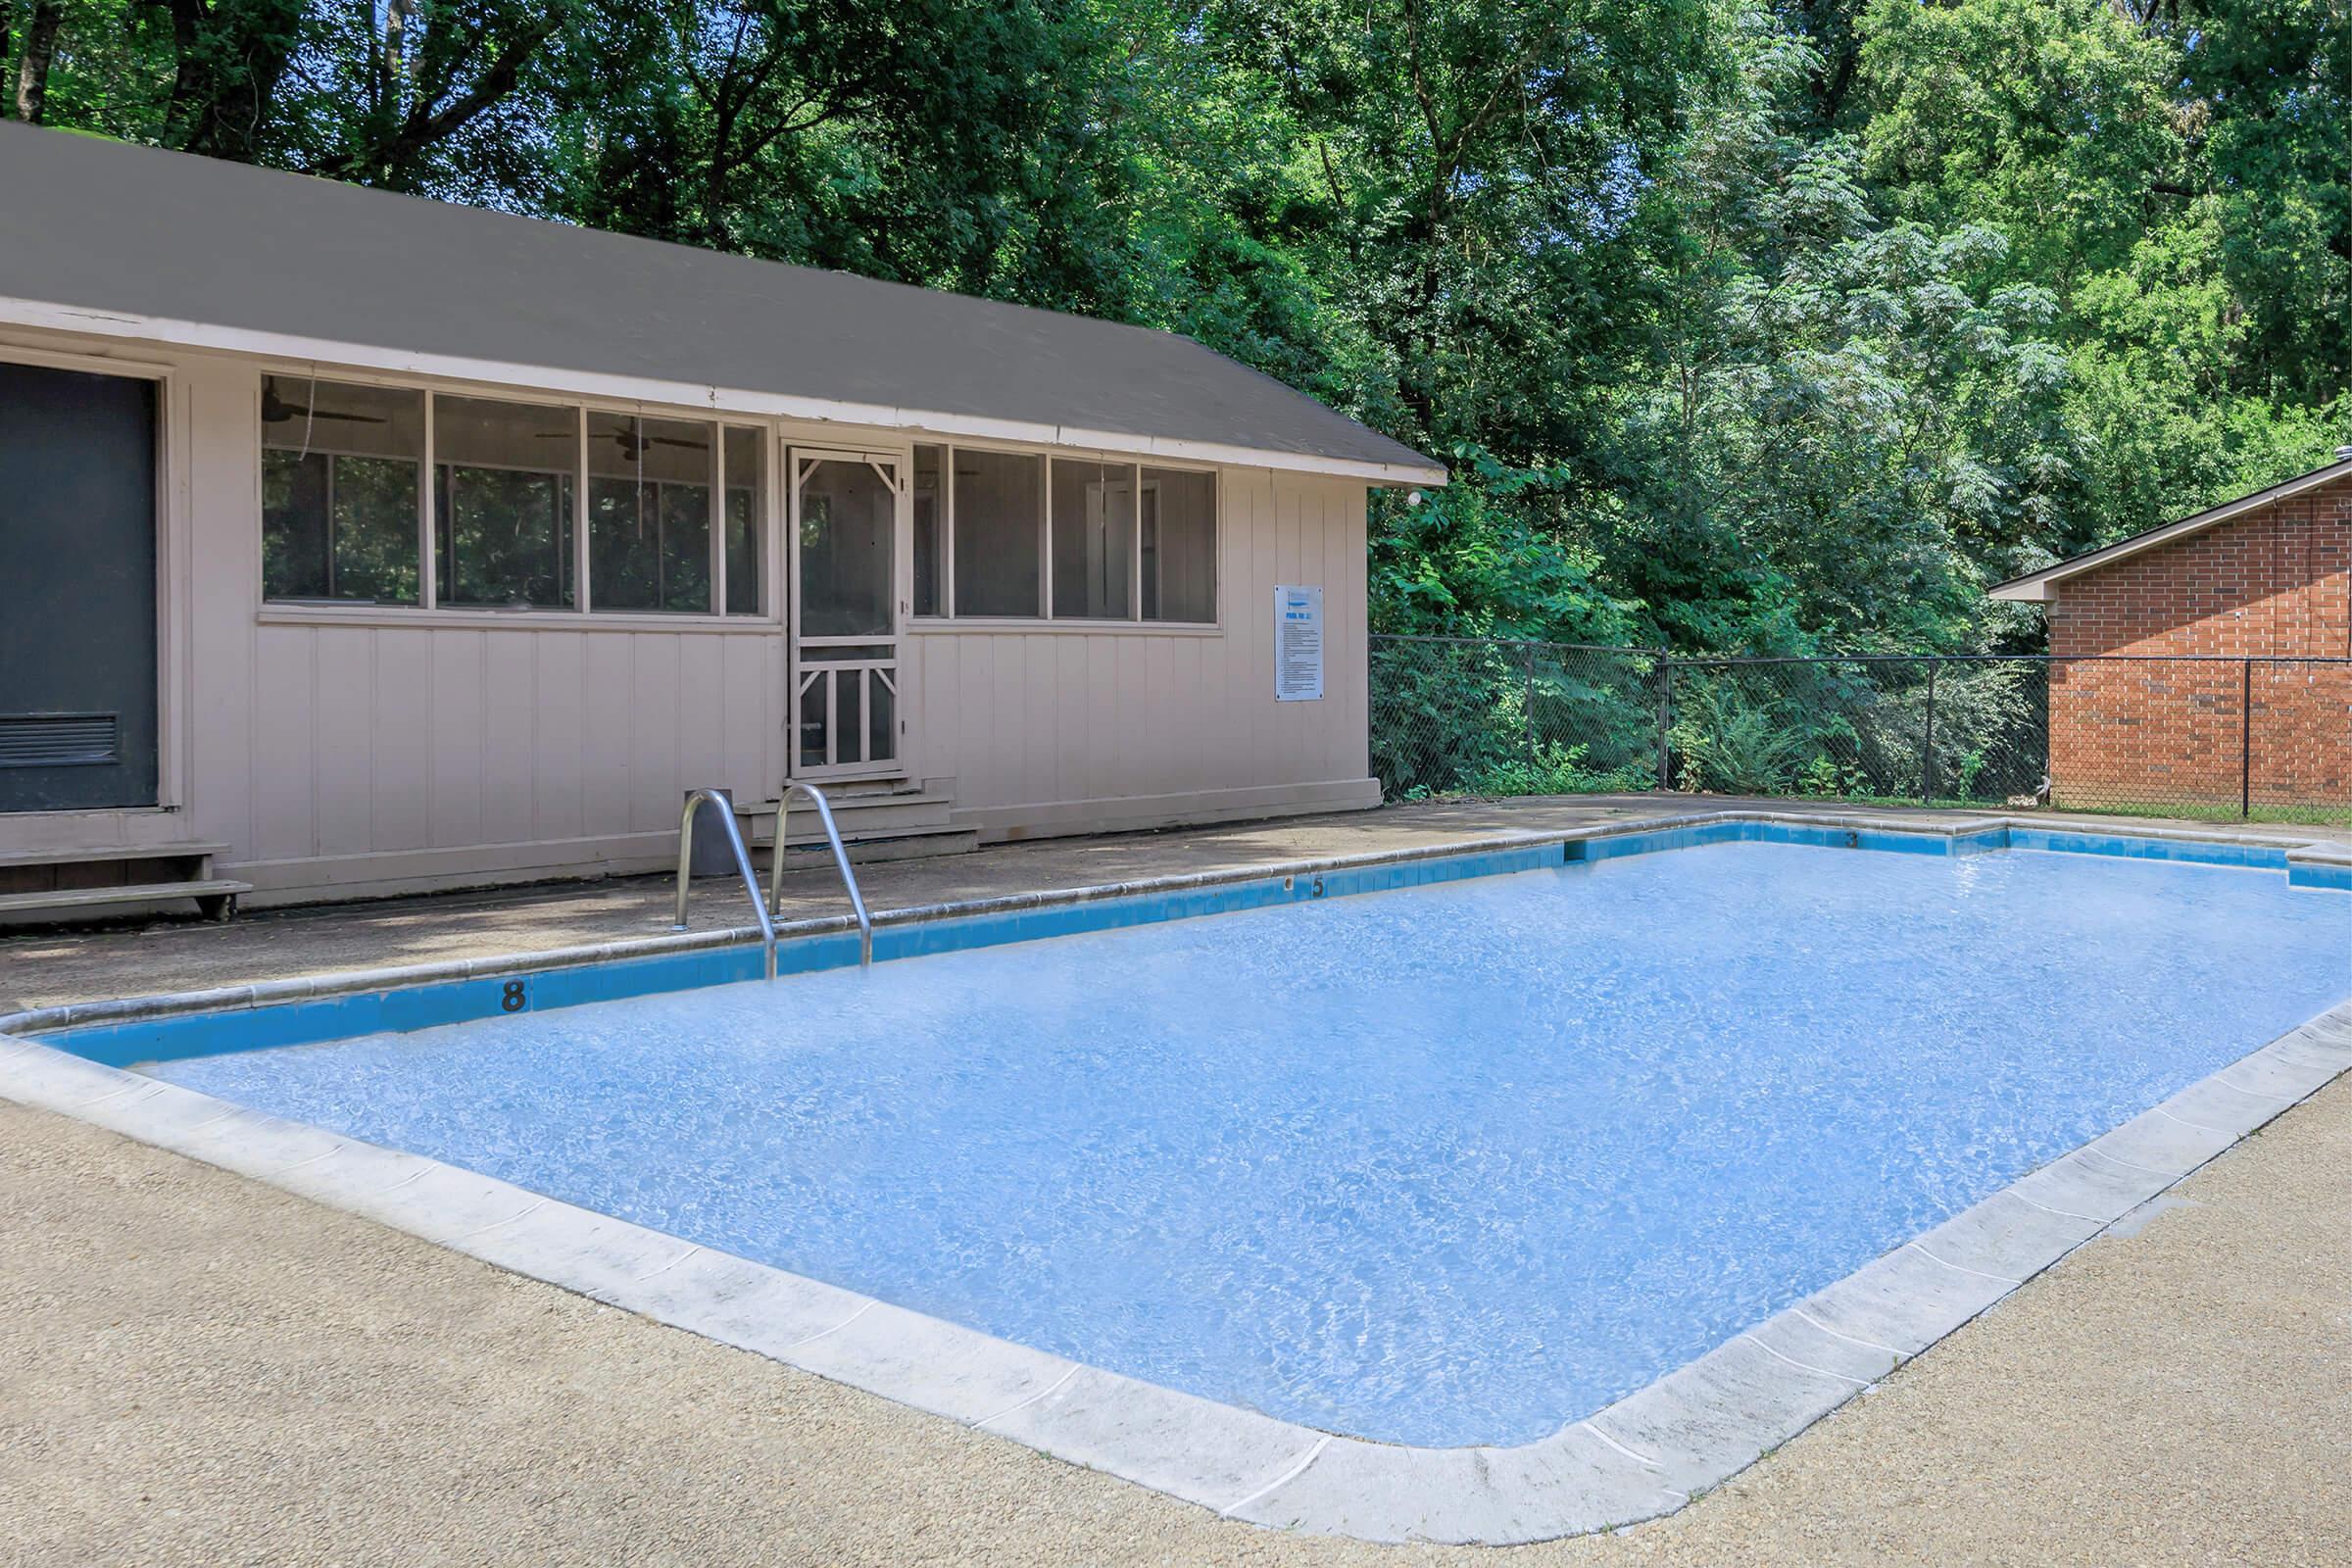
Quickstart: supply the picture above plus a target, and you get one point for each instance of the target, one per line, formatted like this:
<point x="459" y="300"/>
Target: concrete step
<point x="878" y="845"/>
<point x="858" y="814"/>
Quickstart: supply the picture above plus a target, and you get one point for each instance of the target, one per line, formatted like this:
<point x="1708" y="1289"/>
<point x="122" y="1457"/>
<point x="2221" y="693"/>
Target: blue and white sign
<point x="1298" y="645"/>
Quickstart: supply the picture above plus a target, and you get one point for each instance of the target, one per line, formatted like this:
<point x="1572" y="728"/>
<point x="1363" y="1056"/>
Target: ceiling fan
<point x="632" y="445"/>
<point x="276" y="410"/>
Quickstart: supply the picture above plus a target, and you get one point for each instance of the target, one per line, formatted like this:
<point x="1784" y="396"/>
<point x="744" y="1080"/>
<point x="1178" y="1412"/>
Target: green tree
<point x="2050" y="121"/>
<point x="1747" y="324"/>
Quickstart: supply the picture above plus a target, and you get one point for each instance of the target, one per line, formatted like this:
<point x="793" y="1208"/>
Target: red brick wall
<point x="2275" y="583"/>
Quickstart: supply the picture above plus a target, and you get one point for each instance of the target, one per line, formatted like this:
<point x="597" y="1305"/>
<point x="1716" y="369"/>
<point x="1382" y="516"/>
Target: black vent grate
<point x="59" y="740"/>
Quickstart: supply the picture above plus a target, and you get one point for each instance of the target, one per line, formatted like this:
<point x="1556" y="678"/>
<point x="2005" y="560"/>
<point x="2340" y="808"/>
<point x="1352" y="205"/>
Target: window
<point x="505" y="482"/>
<point x="997" y="515"/>
<point x="1116" y="542"/>
<point x="524" y="498"/>
<point x="648" y="512"/>
<point x="747" y="517"/>
<point x="340" y="467"/>
<point x="1179" y="545"/>
<point x="1094" y="540"/>
<point x="930" y="519"/>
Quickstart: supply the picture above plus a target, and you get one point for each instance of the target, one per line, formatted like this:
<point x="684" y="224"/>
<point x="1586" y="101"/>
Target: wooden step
<point x="67" y="898"/>
<point x="118" y="852"/>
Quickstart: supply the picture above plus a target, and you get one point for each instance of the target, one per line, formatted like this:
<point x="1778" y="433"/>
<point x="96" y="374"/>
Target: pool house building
<point x="356" y="544"/>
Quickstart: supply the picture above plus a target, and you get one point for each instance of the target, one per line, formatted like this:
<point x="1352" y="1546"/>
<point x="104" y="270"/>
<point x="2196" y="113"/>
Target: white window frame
<point x="579" y="595"/>
<point x="949" y="620"/>
<point x="773" y="550"/>
<point x="767" y="620"/>
<point x="1217" y="540"/>
<point x="334" y="455"/>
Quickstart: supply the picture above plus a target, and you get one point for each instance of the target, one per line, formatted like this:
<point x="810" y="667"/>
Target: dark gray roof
<point x="106" y="226"/>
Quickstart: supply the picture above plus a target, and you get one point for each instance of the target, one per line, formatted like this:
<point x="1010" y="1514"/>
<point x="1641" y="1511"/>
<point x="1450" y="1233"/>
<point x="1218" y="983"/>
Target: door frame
<point x="897" y="469"/>
<point x="173" y="592"/>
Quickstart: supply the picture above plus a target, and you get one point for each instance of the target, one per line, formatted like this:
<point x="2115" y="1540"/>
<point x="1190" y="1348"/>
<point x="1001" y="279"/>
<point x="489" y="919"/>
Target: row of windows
<point x="1006" y="534"/>
<point x="675" y="516"/>
<point x="674" y="508"/>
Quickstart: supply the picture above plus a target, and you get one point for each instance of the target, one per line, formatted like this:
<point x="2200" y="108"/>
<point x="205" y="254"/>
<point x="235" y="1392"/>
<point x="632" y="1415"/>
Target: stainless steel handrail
<point x="841" y="863"/>
<point x="743" y="865"/>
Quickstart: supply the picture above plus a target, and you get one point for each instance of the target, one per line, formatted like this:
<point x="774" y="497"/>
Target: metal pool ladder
<point x="766" y="908"/>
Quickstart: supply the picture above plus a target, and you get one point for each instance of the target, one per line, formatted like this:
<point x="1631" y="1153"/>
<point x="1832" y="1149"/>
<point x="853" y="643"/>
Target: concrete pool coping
<point x="1639" y="1457"/>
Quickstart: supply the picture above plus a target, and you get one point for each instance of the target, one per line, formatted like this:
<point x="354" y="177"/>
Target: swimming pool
<point x="1442" y="1165"/>
<point x="1483" y="1161"/>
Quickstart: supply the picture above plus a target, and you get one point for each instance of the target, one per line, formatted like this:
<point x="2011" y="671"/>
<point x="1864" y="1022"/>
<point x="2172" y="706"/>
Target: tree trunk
<point x="40" y="47"/>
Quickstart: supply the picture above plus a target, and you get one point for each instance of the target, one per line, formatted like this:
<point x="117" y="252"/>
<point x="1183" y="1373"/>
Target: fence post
<point x="1527" y="703"/>
<point x="1927" y="745"/>
<point x="2246" y="739"/>
<point x="1665" y="682"/>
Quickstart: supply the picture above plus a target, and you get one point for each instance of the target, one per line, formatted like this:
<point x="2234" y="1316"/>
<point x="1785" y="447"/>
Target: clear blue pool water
<point x="1450" y="1164"/>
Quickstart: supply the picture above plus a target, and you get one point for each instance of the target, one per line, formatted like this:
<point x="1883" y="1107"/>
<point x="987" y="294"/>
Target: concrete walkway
<point x="200" y="1369"/>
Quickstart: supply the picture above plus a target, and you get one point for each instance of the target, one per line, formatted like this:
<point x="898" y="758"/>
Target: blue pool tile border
<point x="181" y="1026"/>
<point x="177" y="1035"/>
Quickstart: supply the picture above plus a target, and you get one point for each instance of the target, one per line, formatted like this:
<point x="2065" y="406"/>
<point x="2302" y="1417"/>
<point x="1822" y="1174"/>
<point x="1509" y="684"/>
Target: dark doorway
<point x="77" y="510"/>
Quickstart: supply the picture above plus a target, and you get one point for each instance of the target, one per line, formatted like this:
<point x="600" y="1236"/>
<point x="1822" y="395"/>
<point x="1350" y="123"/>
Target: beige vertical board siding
<point x="1300" y="559"/>
<point x="1199" y="771"/>
<point x="1353" y="571"/>
<point x="457" y="738"/>
<point x="1265" y="540"/>
<point x="511" y="738"/>
<point x="282" y="825"/>
<point x="404" y="763"/>
<point x="747" y="739"/>
<point x="1137" y="714"/>
<point x="1096" y="699"/>
<point x="343" y="737"/>
<point x="656" y="730"/>
<point x="1006" y="711"/>
<point x="221" y="408"/>
<point x="1221" y="659"/>
<point x="607" y="744"/>
<point x="349" y="749"/>
<point x="1074" y="767"/>
<point x="924" y="687"/>
<point x="559" y="732"/>
<point x="972" y="659"/>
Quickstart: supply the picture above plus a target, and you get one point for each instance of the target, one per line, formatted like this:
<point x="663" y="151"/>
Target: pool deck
<point x="224" y="1370"/>
<point x="44" y="970"/>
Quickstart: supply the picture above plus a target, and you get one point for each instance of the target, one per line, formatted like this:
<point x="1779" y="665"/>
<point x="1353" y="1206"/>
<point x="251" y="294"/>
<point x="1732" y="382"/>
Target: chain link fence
<point x="2267" y="739"/>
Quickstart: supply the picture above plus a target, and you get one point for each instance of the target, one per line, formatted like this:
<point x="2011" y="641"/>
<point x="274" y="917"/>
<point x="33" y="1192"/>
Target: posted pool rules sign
<point x="1298" y="645"/>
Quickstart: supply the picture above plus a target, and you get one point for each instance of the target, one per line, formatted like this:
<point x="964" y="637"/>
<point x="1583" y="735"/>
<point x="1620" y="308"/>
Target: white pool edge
<point x="1644" y="1455"/>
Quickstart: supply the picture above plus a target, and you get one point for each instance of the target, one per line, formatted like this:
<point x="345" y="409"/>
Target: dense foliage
<point x="1744" y="325"/>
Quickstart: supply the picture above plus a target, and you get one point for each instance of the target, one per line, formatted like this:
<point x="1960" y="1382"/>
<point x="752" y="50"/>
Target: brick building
<point x="2203" y="664"/>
